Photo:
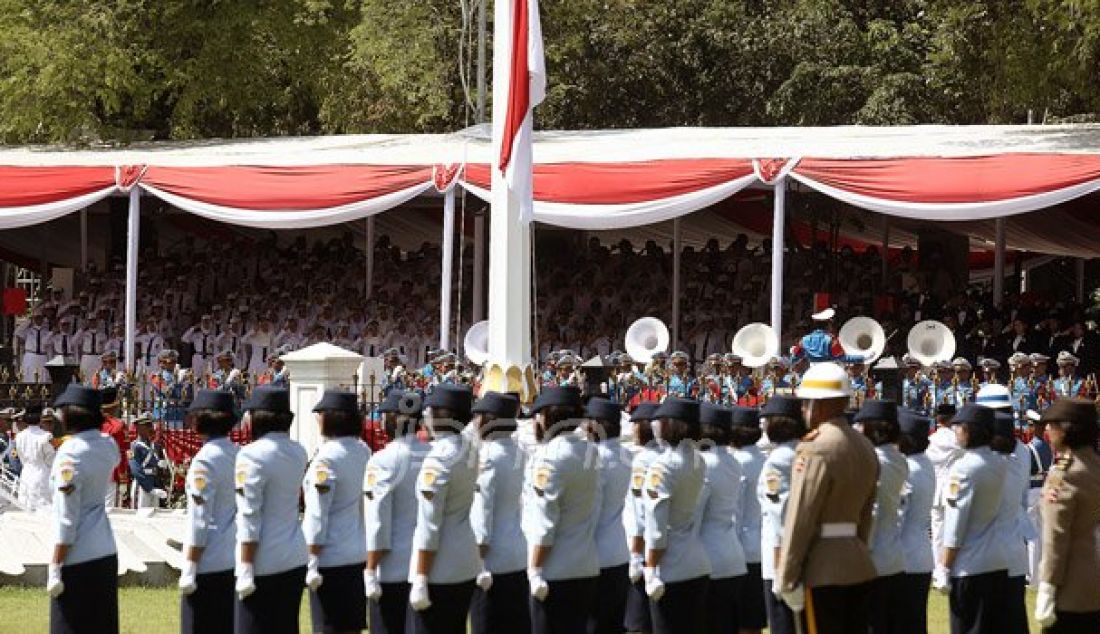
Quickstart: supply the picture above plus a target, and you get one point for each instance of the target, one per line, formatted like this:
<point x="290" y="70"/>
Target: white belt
<point x="838" y="529"/>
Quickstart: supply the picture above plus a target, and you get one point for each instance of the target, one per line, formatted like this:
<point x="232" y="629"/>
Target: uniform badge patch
<point x="542" y="478"/>
<point x="772" y="484"/>
<point x="199" y="480"/>
<point x="372" y="477"/>
<point x="637" y="479"/>
<point x="428" y="477"/>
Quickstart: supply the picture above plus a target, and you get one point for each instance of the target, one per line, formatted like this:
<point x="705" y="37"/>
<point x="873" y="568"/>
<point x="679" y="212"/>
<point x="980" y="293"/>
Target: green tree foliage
<point x="91" y="71"/>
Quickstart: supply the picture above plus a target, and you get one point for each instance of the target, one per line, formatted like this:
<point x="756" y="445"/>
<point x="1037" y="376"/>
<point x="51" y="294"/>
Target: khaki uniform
<point x="828" y="520"/>
<point x="1071" y="513"/>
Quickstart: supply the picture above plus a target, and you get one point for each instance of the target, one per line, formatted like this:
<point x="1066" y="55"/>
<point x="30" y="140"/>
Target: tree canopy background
<point x="82" y="71"/>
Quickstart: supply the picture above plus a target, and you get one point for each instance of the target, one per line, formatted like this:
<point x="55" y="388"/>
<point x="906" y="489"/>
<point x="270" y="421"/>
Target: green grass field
<point x="146" y="610"/>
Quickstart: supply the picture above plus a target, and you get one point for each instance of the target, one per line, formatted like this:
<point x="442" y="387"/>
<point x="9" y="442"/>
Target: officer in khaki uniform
<point x="1069" y="571"/>
<point x="825" y="565"/>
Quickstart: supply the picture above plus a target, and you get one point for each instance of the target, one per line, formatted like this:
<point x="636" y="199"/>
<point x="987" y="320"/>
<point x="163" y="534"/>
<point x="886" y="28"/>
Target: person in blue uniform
<point x="333" y="521"/>
<point x="603" y="425"/>
<point x="751" y="611"/>
<point x="500" y="602"/>
<point x="445" y="560"/>
<point x="716" y="515"/>
<point x="1042" y="459"/>
<point x="821" y="345"/>
<point x="915" y="386"/>
<point x="390" y="492"/>
<point x="782" y="416"/>
<point x="1068" y="384"/>
<point x="961" y="390"/>
<point x="645" y="448"/>
<point x="878" y="420"/>
<point x="564" y="567"/>
<point x="1012" y="526"/>
<point x="971" y="566"/>
<point x="677" y="569"/>
<point x="680" y="381"/>
<point x="206" y="577"/>
<point x="144" y="460"/>
<point x="271" y="566"/>
<point x="916" y="524"/>
<point x="82" y="575"/>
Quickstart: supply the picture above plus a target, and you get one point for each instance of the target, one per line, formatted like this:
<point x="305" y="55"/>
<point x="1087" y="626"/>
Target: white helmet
<point x="994" y="396"/>
<point x="825" y="380"/>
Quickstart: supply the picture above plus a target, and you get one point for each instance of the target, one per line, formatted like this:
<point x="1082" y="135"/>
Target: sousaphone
<point x="756" y="344"/>
<point x="476" y="343"/>
<point x="931" y="341"/>
<point x="863" y="337"/>
<point x="645" y="338"/>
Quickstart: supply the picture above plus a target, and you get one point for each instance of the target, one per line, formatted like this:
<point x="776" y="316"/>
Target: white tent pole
<point x="133" y="235"/>
<point x="84" y="240"/>
<point x="1080" y="280"/>
<point x="370" y="256"/>
<point x="479" y="268"/>
<point x="999" y="262"/>
<point x="885" y="251"/>
<point x="677" y="247"/>
<point x="778" y="222"/>
<point x="448" y="261"/>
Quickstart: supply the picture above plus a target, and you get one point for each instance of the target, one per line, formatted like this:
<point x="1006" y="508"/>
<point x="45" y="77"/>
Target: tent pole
<point x="885" y="251"/>
<point x="84" y="240"/>
<point x="370" y="256"/>
<point x="999" y="262"/>
<point x="448" y="261"/>
<point x="1080" y="280"/>
<point x="479" y="267"/>
<point x="133" y="235"/>
<point x="676" y="249"/>
<point x="778" y="222"/>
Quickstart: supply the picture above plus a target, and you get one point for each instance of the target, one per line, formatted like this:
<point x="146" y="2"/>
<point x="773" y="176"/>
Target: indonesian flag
<point x="526" y="89"/>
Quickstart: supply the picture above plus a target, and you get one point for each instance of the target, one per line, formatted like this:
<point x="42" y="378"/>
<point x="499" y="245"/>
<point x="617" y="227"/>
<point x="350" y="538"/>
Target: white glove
<point x="246" y="580"/>
<point x="371" y="585"/>
<point x="314" y="579"/>
<point x="794" y="598"/>
<point x="418" y="593"/>
<point x="484" y="579"/>
<point x="654" y="587"/>
<point x="941" y="579"/>
<point x="539" y="587"/>
<point x="160" y="494"/>
<point x="1044" y="604"/>
<point x="188" y="572"/>
<point x="637" y="562"/>
<point x="54" y="585"/>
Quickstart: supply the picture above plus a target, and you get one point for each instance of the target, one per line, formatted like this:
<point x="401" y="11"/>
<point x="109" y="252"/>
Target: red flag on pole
<point x="526" y="90"/>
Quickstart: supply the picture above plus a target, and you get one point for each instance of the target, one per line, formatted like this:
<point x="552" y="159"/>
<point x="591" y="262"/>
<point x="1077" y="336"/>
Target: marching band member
<point x="972" y="567"/>
<point x="391" y="498"/>
<point x="825" y="568"/>
<point x="989" y="368"/>
<point x="564" y="565"/>
<point x="1020" y="384"/>
<point x="637" y="617"/>
<point x="916" y="542"/>
<point x="878" y="421"/>
<point x="227" y="377"/>
<point x="716" y="515"/>
<point x="333" y="520"/>
<point x="915" y="385"/>
<point x="271" y="550"/>
<point x="82" y="576"/>
<point x="444" y="562"/>
<point x="1069" y="587"/>
<point x="170" y="389"/>
<point x="782" y="416"/>
<point x="679" y="382"/>
<point x="1068" y="385"/>
<point x="821" y="345"/>
<point x="676" y="568"/>
<point x="603" y="420"/>
<point x="962" y="392"/>
<point x="500" y="602"/>
<point x="206" y="577"/>
<point x="108" y="375"/>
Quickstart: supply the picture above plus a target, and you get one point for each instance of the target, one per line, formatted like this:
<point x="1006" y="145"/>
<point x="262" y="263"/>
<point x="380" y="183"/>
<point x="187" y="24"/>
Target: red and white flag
<point x="526" y="89"/>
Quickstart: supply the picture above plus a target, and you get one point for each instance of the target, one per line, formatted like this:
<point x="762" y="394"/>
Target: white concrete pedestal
<point x="313" y="370"/>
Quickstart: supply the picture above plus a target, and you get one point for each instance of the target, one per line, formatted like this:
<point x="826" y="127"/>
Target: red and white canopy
<point x="585" y="180"/>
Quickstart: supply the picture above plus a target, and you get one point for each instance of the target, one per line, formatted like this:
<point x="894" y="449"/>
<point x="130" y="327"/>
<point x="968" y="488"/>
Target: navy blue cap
<point x="715" y="415"/>
<point x="599" y="408"/>
<point x="216" y="400"/>
<point x="746" y="417"/>
<point x="457" y="398"/>
<point x="1004" y="424"/>
<point x="80" y="396"/>
<point x="677" y="408"/>
<point x="975" y="414"/>
<point x="497" y="405"/>
<point x="912" y="423"/>
<point x="337" y="401"/>
<point x="270" y="399"/>
<point x="946" y="409"/>
<point x="875" y="409"/>
<point x="643" y="412"/>
<point x="567" y="396"/>
<point x="785" y="406"/>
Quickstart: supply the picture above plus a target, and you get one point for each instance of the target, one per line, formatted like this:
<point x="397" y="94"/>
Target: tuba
<point x="930" y="341"/>
<point x="863" y="337"/>
<point x="756" y="344"/>
<point x="645" y="338"/>
<point x="476" y="343"/>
